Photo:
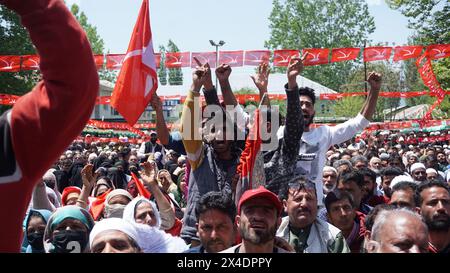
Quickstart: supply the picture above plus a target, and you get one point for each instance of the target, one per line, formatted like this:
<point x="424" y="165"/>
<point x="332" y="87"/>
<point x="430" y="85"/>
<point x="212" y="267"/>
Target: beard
<point x="257" y="236"/>
<point x="438" y="225"/>
<point x="309" y="121"/>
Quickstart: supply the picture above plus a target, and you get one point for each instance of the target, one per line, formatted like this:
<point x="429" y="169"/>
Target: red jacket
<point x="45" y="121"/>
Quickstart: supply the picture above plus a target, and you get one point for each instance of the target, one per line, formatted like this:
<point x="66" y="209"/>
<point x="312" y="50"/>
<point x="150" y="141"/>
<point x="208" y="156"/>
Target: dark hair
<point x="428" y="184"/>
<point x="368" y="172"/>
<point x="124" y="152"/>
<point x="391" y="171"/>
<point x="218" y="201"/>
<point x="372" y="215"/>
<point x="394" y="156"/>
<point x="298" y="183"/>
<point x="404" y="185"/>
<point x="353" y="176"/>
<point x="309" y="92"/>
<point x="338" y="195"/>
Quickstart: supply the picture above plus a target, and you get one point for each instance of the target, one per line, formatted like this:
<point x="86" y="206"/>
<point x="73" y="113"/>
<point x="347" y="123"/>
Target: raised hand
<point x="148" y="173"/>
<point x="87" y="176"/>
<point x="374" y="80"/>
<point x="223" y="72"/>
<point x="201" y="76"/>
<point x="156" y="102"/>
<point x="261" y="78"/>
<point x="294" y="69"/>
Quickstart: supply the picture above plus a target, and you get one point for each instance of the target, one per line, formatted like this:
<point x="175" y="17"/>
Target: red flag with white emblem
<point x="406" y="52"/>
<point x="204" y="57"/>
<point x="282" y="57"/>
<point x="178" y="59"/>
<point x="315" y="56"/>
<point x="256" y="57"/>
<point x="438" y="51"/>
<point x="232" y="58"/>
<point x="137" y="80"/>
<point x="344" y="54"/>
<point x="377" y="53"/>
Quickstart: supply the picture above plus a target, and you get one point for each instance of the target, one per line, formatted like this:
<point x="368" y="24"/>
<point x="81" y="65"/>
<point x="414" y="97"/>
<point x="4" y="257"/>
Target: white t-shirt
<point x="315" y="143"/>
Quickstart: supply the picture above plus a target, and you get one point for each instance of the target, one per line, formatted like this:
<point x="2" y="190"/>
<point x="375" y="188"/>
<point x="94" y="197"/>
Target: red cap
<point x="67" y="191"/>
<point x="260" y="192"/>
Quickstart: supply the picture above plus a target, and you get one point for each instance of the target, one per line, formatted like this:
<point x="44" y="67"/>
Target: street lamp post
<point x="221" y="43"/>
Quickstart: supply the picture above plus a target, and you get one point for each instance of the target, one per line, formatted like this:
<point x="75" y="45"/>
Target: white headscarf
<point x="130" y="210"/>
<point x="113" y="224"/>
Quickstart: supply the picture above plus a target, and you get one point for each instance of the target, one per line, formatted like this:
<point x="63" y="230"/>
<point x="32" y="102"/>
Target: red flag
<point x="406" y="52"/>
<point x="315" y="56"/>
<point x="114" y="61"/>
<point x="251" y="165"/>
<point x="9" y="63"/>
<point x="99" y="59"/>
<point x="158" y="60"/>
<point x="30" y="62"/>
<point x="178" y="59"/>
<point x="344" y="54"/>
<point x="377" y="53"/>
<point x="96" y="207"/>
<point x="425" y="69"/>
<point x="282" y="57"/>
<point x="137" y="80"/>
<point x="256" y="57"/>
<point x="204" y="57"/>
<point x="438" y="51"/>
<point x="232" y="58"/>
<point x="141" y="189"/>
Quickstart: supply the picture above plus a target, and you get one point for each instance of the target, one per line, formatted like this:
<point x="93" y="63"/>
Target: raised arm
<point x="161" y="126"/>
<point x="261" y="80"/>
<point x="370" y="104"/>
<point x="223" y="73"/>
<point x="189" y="125"/>
<point x="45" y="121"/>
<point x="89" y="178"/>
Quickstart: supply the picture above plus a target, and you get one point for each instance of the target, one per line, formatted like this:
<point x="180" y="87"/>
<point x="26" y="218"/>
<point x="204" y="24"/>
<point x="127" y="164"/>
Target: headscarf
<point x="118" y="178"/>
<point x="130" y="210"/>
<point x="67" y="191"/>
<point x="149" y="239"/>
<point x="45" y="215"/>
<point x="115" y="210"/>
<point x="59" y="216"/>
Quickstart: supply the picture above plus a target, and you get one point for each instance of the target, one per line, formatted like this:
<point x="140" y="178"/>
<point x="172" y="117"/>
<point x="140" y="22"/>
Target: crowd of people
<point x="327" y="189"/>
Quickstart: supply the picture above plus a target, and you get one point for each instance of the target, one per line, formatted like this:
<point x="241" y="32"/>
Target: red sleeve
<point x="45" y="121"/>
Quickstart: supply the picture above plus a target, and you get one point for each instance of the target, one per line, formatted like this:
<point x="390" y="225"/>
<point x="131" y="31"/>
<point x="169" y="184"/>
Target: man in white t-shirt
<point x="315" y="142"/>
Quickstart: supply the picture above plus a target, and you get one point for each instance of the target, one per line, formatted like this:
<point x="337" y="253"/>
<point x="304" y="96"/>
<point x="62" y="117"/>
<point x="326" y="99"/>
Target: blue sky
<point x="242" y="24"/>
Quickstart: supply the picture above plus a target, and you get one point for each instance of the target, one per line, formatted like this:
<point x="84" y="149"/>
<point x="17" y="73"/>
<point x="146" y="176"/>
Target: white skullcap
<point x="114" y="224"/>
<point x="130" y="209"/>
<point x="401" y="178"/>
<point x="416" y="166"/>
<point x="431" y="170"/>
<point x="117" y="192"/>
<point x="92" y="156"/>
<point x="329" y="169"/>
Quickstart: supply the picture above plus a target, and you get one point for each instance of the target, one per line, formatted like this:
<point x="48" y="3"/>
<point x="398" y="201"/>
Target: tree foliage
<point x="162" y="70"/>
<point x="298" y="24"/>
<point x="175" y="74"/>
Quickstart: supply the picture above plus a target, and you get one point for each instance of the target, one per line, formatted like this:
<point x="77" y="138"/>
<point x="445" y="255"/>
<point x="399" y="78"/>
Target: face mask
<point x="36" y="240"/>
<point x="69" y="241"/>
<point x="114" y="211"/>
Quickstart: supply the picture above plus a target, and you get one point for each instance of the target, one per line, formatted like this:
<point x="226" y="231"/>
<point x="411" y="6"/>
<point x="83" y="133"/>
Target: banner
<point x="10" y="63"/>
<point x="256" y="57"/>
<point x="282" y="57"/>
<point x="344" y="54"/>
<point x="30" y="62"/>
<point x="204" y="57"/>
<point x="438" y="51"/>
<point x="406" y="52"/>
<point x="177" y="59"/>
<point x="232" y="58"/>
<point x="114" y="61"/>
<point x="377" y="53"/>
<point x="315" y="56"/>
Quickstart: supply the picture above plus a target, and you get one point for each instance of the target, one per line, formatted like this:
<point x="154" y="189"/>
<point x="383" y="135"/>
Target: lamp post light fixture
<point x="221" y="43"/>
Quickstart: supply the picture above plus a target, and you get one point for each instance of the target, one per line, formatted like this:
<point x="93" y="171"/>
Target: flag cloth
<point x="251" y="164"/>
<point x="178" y="59"/>
<point x="377" y="53"/>
<point x="344" y="54"/>
<point x="256" y="57"/>
<point x="232" y="58"/>
<point x="315" y="56"/>
<point x="281" y="57"/>
<point x="141" y="189"/>
<point x="96" y="207"/>
<point x="204" y="57"/>
<point x="406" y="52"/>
<point x="438" y="51"/>
<point x="137" y="80"/>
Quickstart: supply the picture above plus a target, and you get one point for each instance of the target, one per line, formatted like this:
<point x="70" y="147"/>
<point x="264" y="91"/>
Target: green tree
<point x="392" y="81"/>
<point x="15" y="41"/>
<point x="298" y="24"/>
<point x="175" y="74"/>
<point x="162" y="70"/>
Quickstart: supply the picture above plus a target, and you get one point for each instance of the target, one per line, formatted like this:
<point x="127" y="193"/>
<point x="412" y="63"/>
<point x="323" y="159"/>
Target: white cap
<point x="113" y="224"/>
<point x="416" y="166"/>
<point x="400" y="178"/>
